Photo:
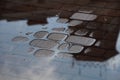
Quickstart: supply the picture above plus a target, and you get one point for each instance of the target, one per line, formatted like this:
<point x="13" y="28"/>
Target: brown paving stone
<point x="81" y="40"/>
<point x="40" y="34"/>
<point x="57" y="36"/>
<point x="40" y="43"/>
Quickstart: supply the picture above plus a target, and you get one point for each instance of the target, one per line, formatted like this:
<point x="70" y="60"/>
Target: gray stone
<point x="63" y="46"/>
<point x="64" y="56"/>
<point x="40" y="34"/>
<point x="75" y="23"/>
<point x="20" y="39"/>
<point x="62" y="20"/>
<point x="57" y="36"/>
<point x="58" y="29"/>
<point x="76" y="49"/>
<point x="81" y="40"/>
<point x="43" y="53"/>
<point x="83" y="16"/>
<point x="81" y="32"/>
<point x="69" y="31"/>
<point x="47" y="44"/>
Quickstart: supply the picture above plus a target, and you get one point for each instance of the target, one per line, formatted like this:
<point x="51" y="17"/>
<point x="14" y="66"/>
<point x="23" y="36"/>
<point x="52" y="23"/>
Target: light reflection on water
<point x="50" y="69"/>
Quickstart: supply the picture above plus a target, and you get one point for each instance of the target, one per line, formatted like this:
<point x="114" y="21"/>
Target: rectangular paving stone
<point x="81" y="32"/>
<point x="43" y="53"/>
<point x="58" y="29"/>
<point x="64" y="46"/>
<point x="86" y="41"/>
<point x="76" y="49"/>
<point x="57" y="36"/>
<point x="40" y="34"/>
<point x="62" y="20"/>
<point x="40" y="43"/>
<point x="83" y="16"/>
<point x="75" y="22"/>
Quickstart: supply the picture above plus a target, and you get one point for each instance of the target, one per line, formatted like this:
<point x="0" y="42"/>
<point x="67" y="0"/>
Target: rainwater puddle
<point x="50" y="48"/>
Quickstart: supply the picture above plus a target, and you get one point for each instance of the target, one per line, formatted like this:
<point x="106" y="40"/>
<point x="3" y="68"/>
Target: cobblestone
<point x="83" y="16"/>
<point x="47" y="44"/>
<point x="64" y="56"/>
<point x="43" y="53"/>
<point x="76" y="49"/>
<point x="58" y="29"/>
<point x="40" y="34"/>
<point x="64" y="46"/>
<point x="81" y="40"/>
<point x="74" y="23"/>
<point x="19" y="39"/>
<point x="62" y="20"/>
<point x="57" y="36"/>
<point x="81" y="32"/>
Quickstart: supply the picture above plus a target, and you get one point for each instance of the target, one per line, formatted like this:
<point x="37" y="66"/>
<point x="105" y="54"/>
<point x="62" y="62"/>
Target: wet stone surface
<point x="83" y="16"/>
<point x="59" y="48"/>
<point x="20" y="39"/>
<point x="57" y="36"/>
<point x="64" y="46"/>
<point x="43" y="53"/>
<point x="73" y="15"/>
<point x="82" y="32"/>
<point x="47" y="44"/>
<point x="40" y="34"/>
<point x="74" y="23"/>
<point x="76" y="49"/>
<point x="81" y="40"/>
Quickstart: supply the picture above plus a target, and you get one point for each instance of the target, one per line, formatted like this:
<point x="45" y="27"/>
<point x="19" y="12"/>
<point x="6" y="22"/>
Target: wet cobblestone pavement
<point x="59" y="40"/>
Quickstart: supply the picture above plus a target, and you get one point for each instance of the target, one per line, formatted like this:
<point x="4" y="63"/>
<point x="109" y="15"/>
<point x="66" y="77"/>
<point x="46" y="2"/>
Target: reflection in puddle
<point x="51" y="61"/>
